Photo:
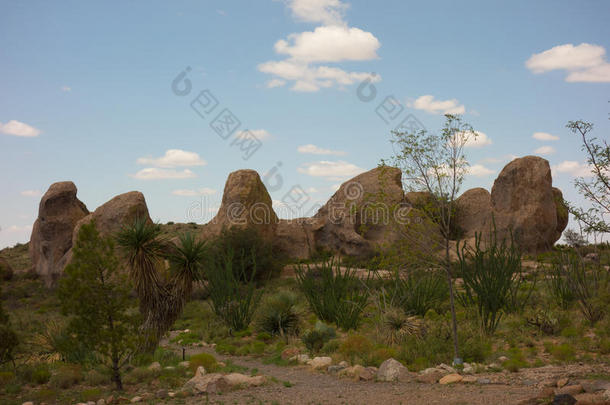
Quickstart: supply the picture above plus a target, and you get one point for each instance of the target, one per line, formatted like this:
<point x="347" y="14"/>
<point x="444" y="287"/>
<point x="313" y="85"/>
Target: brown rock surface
<point x="295" y="237"/>
<point x="474" y="211"/>
<point x="58" y="213"/>
<point x="245" y="202"/>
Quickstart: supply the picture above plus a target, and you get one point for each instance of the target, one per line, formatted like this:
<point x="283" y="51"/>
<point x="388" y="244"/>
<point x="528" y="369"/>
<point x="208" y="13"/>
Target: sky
<point x="168" y="98"/>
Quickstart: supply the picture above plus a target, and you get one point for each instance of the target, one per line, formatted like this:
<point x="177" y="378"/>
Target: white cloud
<point x="334" y="41"/>
<point x="545" y="150"/>
<point x="174" y="158"/>
<point x="544" y="136"/>
<point x="18" y="128"/>
<point x="480" y="171"/>
<point x="573" y="168"/>
<point x="481" y="139"/>
<point x="205" y="191"/>
<point x="312" y="190"/>
<point x="17" y="228"/>
<point x="153" y="173"/>
<point x="329" y="44"/>
<point x="66" y="89"/>
<point x="333" y="170"/>
<point x="328" y="12"/>
<point x="259" y="134"/>
<point x="31" y="193"/>
<point x="315" y="150"/>
<point x="584" y="62"/>
<point x="505" y="158"/>
<point x="429" y="104"/>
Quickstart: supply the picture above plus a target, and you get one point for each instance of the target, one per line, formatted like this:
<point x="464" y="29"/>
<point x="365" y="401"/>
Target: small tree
<point x="436" y="165"/>
<point x="96" y="293"/>
<point x="596" y="189"/>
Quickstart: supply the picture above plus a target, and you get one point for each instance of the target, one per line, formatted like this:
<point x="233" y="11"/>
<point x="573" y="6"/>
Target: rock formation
<point x="245" y="202"/>
<point x="51" y="238"/>
<point x="474" y="211"/>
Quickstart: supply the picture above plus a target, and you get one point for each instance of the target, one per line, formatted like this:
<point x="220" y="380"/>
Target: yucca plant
<point x="399" y="326"/>
<point x="187" y="260"/>
<point x="419" y="291"/>
<point x="334" y="294"/>
<point x="279" y="315"/>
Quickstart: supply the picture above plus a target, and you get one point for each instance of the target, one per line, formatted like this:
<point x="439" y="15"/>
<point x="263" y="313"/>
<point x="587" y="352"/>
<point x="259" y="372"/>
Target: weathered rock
<point x="590" y="399"/>
<point x="120" y="211"/>
<point x="242" y="380"/>
<point x="295" y="238"/>
<point x="245" y="202"/>
<point x="320" y="363"/>
<point x="58" y="213"/>
<point x="430" y="375"/>
<point x="136" y="399"/>
<point x="570" y="389"/>
<point x="200" y="372"/>
<point x="563" y="214"/>
<point x="450" y="379"/>
<point x="392" y="370"/>
<point x="359" y="216"/>
<point x="562" y="382"/>
<point x="473" y="211"/>
<point x="563" y="399"/>
<point x="208" y="383"/>
<point x="357" y="372"/>
<point x="523" y="201"/>
<point x="155" y="367"/>
<point x="289" y="353"/>
<point x="161" y="394"/>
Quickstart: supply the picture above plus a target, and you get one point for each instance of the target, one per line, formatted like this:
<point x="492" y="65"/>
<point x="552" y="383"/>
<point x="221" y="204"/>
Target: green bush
<point x="492" y="278"/>
<point x="8" y="338"/>
<point x="139" y="375"/>
<point x="46" y="395"/>
<point x="419" y="291"/>
<point x="205" y="360"/>
<point x="234" y="298"/>
<point x="559" y="285"/>
<point x="7" y="377"/>
<point x="562" y="352"/>
<point x="334" y="294"/>
<point x="91" y="394"/>
<point x="66" y="376"/>
<point x="35" y="374"/>
<point x="356" y="347"/>
<point x="278" y="315"/>
<point x="317" y="337"/>
<point x="249" y="251"/>
<point x="516" y="360"/>
<point x="95" y="378"/>
<point x="226" y="348"/>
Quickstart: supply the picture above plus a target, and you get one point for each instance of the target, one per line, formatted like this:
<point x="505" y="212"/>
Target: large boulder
<point x="295" y="238"/>
<point x="58" y="213"/>
<point x="562" y="213"/>
<point x="524" y="203"/>
<point x="111" y="216"/>
<point x="245" y="202"/>
<point x="360" y="215"/>
<point x="473" y="211"/>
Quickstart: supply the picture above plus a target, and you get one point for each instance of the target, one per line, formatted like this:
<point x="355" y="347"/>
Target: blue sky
<point x="86" y="93"/>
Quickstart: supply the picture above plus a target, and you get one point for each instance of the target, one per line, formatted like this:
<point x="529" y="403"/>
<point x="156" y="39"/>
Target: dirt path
<point x="300" y="385"/>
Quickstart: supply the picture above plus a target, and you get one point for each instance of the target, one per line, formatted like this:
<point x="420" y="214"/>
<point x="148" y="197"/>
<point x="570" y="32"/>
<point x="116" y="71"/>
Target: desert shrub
<point x="226" y="348"/>
<point x="278" y="315"/>
<point x="492" y="279"/>
<point x="563" y="352"/>
<point x="252" y="255"/>
<point x="7" y="377"/>
<point x="95" y="378"/>
<point x="205" y="360"/>
<point x="34" y="373"/>
<point x="559" y="285"/>
<point x="334" y="294"/>
<point x="356" y="347"/>
<point x="396" y="326"/>
<point x="516" y="360"/>
<point x="46" y="395"/>
<point x="66" y="376"/>
<point x="187" y="338"/>
<point x="545" y="321"/>
<point x="139" y="375"/>
<point x="330" y="347"/>
<point x="590" y="287"/>
<point x="317" y="337"/>
<point x="8" y="338"/>
<point x="419" y="291"/>
<point x="233" y="293"/>
<point x="6" y="272"/>
<point x="91" y="394"/>
<point x="263" y="336"/>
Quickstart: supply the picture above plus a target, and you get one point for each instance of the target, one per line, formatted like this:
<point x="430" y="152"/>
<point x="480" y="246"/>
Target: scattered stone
<point x="593" y="386"/>
<point x="28" y="403"/>
<point x="289" y="353"/>
<point x="592" y="257"/>
<point x="548" y="383"/>
<point x="318" y="363"/>
<point x="502" y="359"/>
<point x="110" y="400"/>
<point x="590" y="399"/>
<point x="391" y="370"/>
<point x="356" y="372"/>
<point x="301" y="358"/>
<point x="200" y="371"/>
<point x="169" y="368"/>
<point x="242" y="380"/>
<point x="147" y="396"/>
<point x="570" y="390"/>
<point x="470" y="379"/>
<point x="162" y="394"/>
<point x="171" y="394"/>
<point x="447" y="368"/>
<point x="450" y="379"/>
<point x="468" y="369"/>
<point x="155" y="367"/>
<point x="430" y="376"/>
<point x="88" y="403"/>
<point x="184" y="364"/>
<point x="562" y="382"/>
<point x="483" y="381"/>
<point x="136" y="399"/>
<point x="101" y="401"/>
<point x="208" y="383"/>
<point x="563" y="399"/>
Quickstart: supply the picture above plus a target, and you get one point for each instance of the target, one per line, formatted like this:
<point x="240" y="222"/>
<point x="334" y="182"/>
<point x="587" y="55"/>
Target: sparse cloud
<point x="544" y="136"/>
<point x="573" y="168"/>
<point x="327" y="12"/>
<point x="66" y="89"/>
<point x="259" y="134"/>
<point x="429" y="104"/>
<point x="545" y="150"/>
<point x="17" y="128"/>
<point x="480" y="140"/>
<point x="205" y="191"/>
<point x="331" y="170"/>
<point x="315" y="150"/>
<point x="31" y="193"/>
<point x="154" y="173"/>
<point x="479" y="170"/>
<point x="584" y="62"/>
<point x="174" y="158"/>
<point x="275" y="83"/>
